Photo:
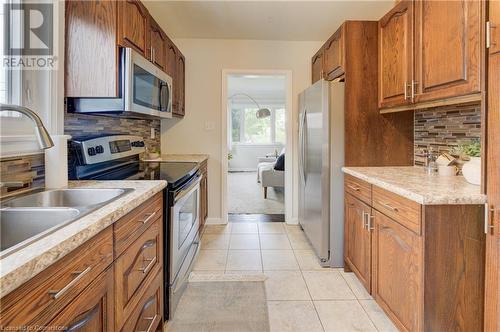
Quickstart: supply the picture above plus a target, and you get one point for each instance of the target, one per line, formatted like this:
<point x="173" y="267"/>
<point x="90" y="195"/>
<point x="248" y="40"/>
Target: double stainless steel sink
<point x="28" y="218"/>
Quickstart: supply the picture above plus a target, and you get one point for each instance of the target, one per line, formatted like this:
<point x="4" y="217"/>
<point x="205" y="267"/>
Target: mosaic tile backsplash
<point x="83" y="125"/>
<point x="446" y="127"/>
<point x="22" y="174"/>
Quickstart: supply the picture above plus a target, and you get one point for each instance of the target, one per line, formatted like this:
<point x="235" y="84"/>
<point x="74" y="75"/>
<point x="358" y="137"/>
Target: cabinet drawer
<point x="128" y="228"/>
<point x="402" y="210"/>
<point x="135" y="268"/>
<point x="358" y="188"/>
<point x="37" y="301"/>
<point x="148" y="313"/>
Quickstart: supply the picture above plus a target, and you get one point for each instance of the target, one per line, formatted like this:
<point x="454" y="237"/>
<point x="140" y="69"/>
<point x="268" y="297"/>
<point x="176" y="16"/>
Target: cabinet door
<point x="158" y="45"/>
<point x="180" y="87"/>
<point x="133" y="25"/>
<point x="397" y="272"/>
<point x="317" y="67"/>
<point x="396" y="55"/>
<point x="334" y="55"/>
<point x="357" y="250"/>
<point x="492" y="304"/>
<point x="92" y="310"/>
<point x="447" y="50"/>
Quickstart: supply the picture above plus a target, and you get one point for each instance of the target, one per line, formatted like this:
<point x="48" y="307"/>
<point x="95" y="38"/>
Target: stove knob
<point x="91" y="151"/>
<point x="99" y="149"/>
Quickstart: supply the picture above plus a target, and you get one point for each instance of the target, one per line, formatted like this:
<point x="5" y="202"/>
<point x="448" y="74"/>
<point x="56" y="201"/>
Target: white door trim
<point x="290" y="148"/>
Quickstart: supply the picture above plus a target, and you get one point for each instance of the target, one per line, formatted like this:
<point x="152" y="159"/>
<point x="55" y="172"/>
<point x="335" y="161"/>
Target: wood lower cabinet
<point x="133" y="26"/>
<point x="397" y="271"/>
<point x="89" y="291"/>
<point x="358" y="247"/>
<point x="92" y="310"/>
<point x="426" y="275"/>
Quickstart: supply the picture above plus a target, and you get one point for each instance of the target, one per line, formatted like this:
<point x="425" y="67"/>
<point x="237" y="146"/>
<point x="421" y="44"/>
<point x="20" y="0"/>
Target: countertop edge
<point x="24" y="272"/>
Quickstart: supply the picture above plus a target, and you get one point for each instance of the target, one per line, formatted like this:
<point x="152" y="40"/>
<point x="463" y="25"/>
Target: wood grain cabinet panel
<point x="397" y="272"/>
<point x="158" y="45"/>
<point x="334" y="61"/>
<point x="133" y="26"/>
<point x="448" y="55"/>
<point x="395" y="34"/>
<point x="357" y="250"/>
<point x="92" y="310"/>
<point x="317" y="66"/>
<point x="135" y="268"/>
<point x="358" y="188"/>
<point x="180" y="86"/>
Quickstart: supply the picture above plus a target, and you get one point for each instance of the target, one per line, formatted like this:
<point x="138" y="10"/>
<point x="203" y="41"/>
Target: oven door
<point x="184" y="238"/>
<point x="148" y="90"/>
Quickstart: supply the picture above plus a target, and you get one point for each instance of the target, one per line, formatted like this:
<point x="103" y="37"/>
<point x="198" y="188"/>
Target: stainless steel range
<point x="116" y="157"/>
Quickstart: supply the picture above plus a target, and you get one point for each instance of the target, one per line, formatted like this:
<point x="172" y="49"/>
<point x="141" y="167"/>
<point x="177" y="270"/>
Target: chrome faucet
<point x="41" y="133"/>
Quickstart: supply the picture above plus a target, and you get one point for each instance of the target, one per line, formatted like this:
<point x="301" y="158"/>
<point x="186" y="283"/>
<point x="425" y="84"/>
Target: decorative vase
<point x="472" y="170"/>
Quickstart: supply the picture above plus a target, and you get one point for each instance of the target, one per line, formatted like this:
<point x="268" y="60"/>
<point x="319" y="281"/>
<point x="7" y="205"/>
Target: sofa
<point x="268" y="176"/>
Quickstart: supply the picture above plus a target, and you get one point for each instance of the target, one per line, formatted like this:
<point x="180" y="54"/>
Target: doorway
<point x="257" y="175"/>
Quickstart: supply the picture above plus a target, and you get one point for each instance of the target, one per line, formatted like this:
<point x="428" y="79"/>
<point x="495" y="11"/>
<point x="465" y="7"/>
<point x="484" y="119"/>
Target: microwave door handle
<point x="162" y="84"/>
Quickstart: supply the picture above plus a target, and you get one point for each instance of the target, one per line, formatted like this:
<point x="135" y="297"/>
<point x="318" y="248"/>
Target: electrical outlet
<point x="153" y="134"/>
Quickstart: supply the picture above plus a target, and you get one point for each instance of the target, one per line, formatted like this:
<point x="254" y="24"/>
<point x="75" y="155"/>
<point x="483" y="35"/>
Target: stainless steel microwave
<point x="145" y="91"/>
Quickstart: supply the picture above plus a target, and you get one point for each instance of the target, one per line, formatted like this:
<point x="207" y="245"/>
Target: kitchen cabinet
<point x="334" y="55"/>
<point x="358" y="246"/>
<point x="92" y="310"/>
<point x="180" y="86"/>
<point x="133" y="26"/>
<point x="492" y="280"/>
<point x="397" y="275"/>
<point x="317" y="66"/>
<point x="203" y="194"/>
<point x="395" y="37"/>
<point x="430" y="54"/>
<point x="426" y="264"/>
<point x="158" y="45"/>
<point x="89" y="290"/>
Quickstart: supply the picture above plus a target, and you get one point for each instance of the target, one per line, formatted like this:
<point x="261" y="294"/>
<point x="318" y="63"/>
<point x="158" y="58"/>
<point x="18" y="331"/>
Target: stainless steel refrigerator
<point x="321" y="157"/>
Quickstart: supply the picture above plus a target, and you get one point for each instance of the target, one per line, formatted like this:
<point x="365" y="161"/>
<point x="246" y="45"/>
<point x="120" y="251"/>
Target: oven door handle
<point x="184" y="192"/>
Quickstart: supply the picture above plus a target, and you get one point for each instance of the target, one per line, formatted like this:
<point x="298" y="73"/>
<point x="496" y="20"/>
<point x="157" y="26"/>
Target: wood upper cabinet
<point x="92" y="310"/>
<point x="180" y="86"/>
<point x="133" y="26"/>
<point x="492" y="292"/>
<point x="397" y="274"/>
<point x="334" y="55"/>
<point x="395" y="34"/>
<point x="317" y="66"/>
<point x="357" y="251"/>
<point x="158" y="45"/>
<point x="448" y="54"/>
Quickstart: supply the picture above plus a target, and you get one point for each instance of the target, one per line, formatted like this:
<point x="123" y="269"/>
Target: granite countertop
<point x="20" y="266"/>
<point x="413" y="183"/>
<point x="195" y="158"/>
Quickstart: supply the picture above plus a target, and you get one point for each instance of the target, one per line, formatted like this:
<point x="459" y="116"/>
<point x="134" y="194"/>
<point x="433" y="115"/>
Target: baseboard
<point x="293" y="221"/>
<point x="242" y="170"/>
<point x="215" y="221"/>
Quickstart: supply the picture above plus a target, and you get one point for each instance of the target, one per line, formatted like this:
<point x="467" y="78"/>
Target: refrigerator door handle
<point x="304" y="147"/>
<point x="300" y="145"/>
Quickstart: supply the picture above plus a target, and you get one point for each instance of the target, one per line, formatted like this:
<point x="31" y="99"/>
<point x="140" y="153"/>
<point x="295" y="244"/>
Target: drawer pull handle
<point x="148" y="218"/>
<point x="150" y="264"/>
<point x="80" y="274"/>
<point x="152" y="320"/>
<point x="353" y="187"/>
<point x="390" y="207"/>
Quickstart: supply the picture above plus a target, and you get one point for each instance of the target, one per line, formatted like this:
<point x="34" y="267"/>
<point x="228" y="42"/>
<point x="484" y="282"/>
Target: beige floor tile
<point x="343" y="316"/>
<point x="244" y="241"/>
<point x="244" y="260"/>
<point x="378" y="316"/>
<point x="285" y="285"/>
<point x="279" y="260"/>
<point x="308" y="261"/>
<point x="327" y="285"/>
<point x="296" y="316"/>
<point x="271" y="228"/>
<point x="274" y="241"/>
<point x="356" y="286"/>
<point x="217" y="229"/>
<point x="214" y="241"/>
<point x="298" y="241"/>
<point x="293" y="228"/>
<point x="211" y="260"/>
<point x="244" y="228"/>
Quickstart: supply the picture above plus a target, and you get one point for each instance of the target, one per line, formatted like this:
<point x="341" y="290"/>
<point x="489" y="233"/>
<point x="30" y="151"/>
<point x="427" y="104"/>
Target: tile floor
<point x="301" y="295"/>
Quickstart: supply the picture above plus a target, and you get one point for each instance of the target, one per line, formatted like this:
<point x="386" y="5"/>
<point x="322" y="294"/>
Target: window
<point x="246" y="128"/>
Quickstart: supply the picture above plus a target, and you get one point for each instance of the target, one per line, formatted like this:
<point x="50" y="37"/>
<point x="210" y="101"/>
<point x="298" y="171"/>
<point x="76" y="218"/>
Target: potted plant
<point x="472" y="169"/>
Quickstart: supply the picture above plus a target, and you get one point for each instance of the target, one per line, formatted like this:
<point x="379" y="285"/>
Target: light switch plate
<point x="210" y="125"/>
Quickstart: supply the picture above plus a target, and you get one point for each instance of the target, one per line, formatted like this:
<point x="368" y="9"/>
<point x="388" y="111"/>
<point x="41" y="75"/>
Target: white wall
<point x="205" y="59"/>
<point x="245" y="155"/>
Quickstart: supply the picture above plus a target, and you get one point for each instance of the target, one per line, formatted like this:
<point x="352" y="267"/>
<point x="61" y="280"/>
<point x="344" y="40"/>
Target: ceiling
<point x="261" y="20"/>
<point x="263" y="88"/>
